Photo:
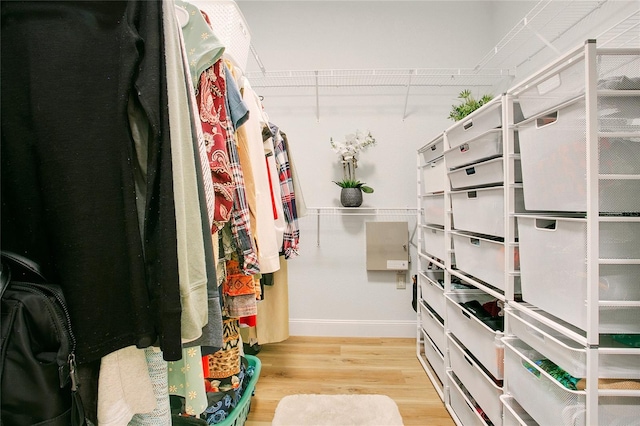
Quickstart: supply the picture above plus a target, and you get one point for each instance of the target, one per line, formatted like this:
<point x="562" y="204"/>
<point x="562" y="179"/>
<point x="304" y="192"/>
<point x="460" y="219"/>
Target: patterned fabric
<point x="291" y="239"/>
<point x="210" y="107"/>
<point x="161" y="415"/>
<point x="225" y="362"/>
<point x="186" y="379"/>
<point x="237" y="283"/>
<point x="240" y="226"/>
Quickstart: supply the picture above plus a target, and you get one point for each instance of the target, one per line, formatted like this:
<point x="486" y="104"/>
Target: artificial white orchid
<point x="348" y="149"/>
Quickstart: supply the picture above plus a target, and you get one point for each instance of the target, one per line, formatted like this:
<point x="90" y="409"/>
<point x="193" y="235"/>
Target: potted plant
<point x="351" y="193"/>
<point x="467" y="106"/>
<point x="352" y="189"/>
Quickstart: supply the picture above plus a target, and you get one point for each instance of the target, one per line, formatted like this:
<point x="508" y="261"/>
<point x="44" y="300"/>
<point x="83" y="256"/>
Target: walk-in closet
<point x="288" y="212"/>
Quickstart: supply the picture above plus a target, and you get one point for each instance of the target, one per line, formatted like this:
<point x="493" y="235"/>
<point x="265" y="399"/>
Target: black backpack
<point x="37" y="362"/>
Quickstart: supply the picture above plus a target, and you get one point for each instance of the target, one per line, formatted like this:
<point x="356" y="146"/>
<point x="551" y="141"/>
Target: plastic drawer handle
<point x="547" y="120"/>
<point x="474" y="241"/>
<point x="433" y="147"/>
<point x="472" y="194"/>
<point x="469" y="405"/>
<point x="535" y="333"/>
<point x="546" y="224"/>
<point x="466" y="314"/>
<point x="470" y="171"/>
<point x="464" y="147"/>
<point x="467" y="125"/>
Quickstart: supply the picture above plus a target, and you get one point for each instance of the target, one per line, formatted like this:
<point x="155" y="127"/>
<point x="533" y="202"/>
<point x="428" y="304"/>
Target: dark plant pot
<point x="351" y="197"/>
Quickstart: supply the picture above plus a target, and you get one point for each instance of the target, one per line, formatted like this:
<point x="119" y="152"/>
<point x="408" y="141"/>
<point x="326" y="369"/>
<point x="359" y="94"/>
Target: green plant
<point x="467" y="106"/>
<point x="351" y="183"/>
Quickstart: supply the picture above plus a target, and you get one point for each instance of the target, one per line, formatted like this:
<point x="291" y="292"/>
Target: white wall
<point x="331" y="293"/>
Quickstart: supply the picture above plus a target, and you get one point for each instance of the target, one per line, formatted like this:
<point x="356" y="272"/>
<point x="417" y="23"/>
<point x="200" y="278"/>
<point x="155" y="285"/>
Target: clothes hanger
<point x="182" y="15"/>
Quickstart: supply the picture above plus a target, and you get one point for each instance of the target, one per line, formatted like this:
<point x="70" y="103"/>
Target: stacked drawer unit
<point x="474" y="161"/>
<point x="580" y="253"/>
<point x="432" y="258"/>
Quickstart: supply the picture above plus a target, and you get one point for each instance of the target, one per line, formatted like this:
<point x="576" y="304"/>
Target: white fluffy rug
<point x="337" y="410"/>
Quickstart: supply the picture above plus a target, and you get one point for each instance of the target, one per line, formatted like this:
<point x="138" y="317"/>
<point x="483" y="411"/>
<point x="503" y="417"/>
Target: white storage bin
<point x="481" y="387"/>
<point x="514" y="414"/>
<point x="552" y="262"/>
<point x="432" y="292"/>
<point x="556" y="88"/>
<point x="462" y="407"/>
<point x="433" y="209"/>
<point x="433" y="356"/>
<point x="477" y="337"/>
<point x="482" y="147"/>
<point x="433" y="242"/>
<point x="479" y="122"/>
<point x="432" y="326"/>
<point x="489" y="172"/>
<point x="482" y="210"/>
<point x="481" y="257"/>
<point x="549" y="402"/>
<point x="553" y="161"/>
<point x="432" y="150"/>
<point x="569" y="355"/>
<point x="434" y="177"/>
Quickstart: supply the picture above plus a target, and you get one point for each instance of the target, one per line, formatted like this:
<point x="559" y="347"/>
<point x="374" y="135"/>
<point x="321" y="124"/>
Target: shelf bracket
<point x="406" y="97"/>
<point x="317" y="98"/>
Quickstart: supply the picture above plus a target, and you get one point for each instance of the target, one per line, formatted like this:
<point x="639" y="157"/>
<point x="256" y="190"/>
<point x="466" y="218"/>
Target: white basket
<point x="433" y="208"/>
<point x="569" y="355"/>
<point x="229" y="25"/>
<point x="480" y="257"/>
<point x="487" y="118"/>
<point x="432" y="150"/>
<point x="549" y="402"/>
<point x="553" y="161"/>
<point x="552" y="262"/>
<point x="487" y="145"/>
<point x="462" y="407"/>
<point x="433" y="242"/>
<point x="432" y="326"/>
<point x="481" y="387"/>
<point x="433" y="356"/>
<point x="482" y="210"/>
<point x="431" y="291"/>
<point x="555" y="89"/>
<point x="434" y="177"/>
<point x="484" y="173"/>
<point x="477" y="337"/>
<point x="514" y="414"/>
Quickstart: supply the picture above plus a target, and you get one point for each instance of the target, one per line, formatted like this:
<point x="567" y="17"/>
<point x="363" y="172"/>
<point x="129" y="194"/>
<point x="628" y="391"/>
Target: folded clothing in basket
<point x="490" y="313"/>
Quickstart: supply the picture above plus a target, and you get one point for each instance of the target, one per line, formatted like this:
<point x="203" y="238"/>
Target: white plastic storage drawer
<point x="514" y="414"/>
<point x="480" y="257"/>
<point x="433" y="356"/>
<point x="434" y="177"/>
<point x="431" y="291"/>
<point x="556" y="88"/>
<point x="481" y="387"/>
<point x="479" y="122"/>
<point x="488" y="172"/>
<point x="552" y="262"/>
<point x="482" y="210"/>
<point x="553" y="162"/>
<point x="548" y="401"/>
<point x="569" y="355"/>
<point x="432" y="326"/>
<point x="432" y="150"/>
<point x="433" y="242"/>
<point x="463" y="408"/>
<point x="483" y="342"/>
<point x="485" y="146"/>
<point x="433" y="209"/>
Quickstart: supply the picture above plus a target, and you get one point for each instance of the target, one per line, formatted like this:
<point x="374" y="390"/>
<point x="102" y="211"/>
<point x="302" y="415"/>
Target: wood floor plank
<point x="343" y="365"/>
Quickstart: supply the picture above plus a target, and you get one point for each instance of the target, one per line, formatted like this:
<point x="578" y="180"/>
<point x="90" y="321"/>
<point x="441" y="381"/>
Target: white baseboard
<point x="351" y="328"/>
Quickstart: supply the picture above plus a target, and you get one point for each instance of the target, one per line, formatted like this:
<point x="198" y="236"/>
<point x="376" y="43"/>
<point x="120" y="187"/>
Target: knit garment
<point x="158" y="372"/>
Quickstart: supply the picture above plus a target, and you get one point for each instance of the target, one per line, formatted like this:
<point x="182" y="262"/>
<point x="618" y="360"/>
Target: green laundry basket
<point x="239" y="414"/>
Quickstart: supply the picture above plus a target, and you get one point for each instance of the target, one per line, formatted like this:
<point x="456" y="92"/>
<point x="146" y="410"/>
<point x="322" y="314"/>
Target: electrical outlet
<point x="401" y="282"/>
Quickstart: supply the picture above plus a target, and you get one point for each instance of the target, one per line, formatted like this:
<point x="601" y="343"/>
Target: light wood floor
<point x="326" y="365"/>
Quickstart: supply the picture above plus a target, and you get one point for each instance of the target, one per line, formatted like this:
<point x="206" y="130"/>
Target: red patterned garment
<point x="210" y="100"/>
